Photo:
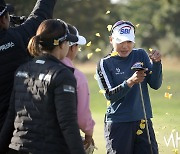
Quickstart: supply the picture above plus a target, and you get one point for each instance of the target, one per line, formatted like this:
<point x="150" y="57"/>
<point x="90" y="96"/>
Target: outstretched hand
<point x="155" y="56"/>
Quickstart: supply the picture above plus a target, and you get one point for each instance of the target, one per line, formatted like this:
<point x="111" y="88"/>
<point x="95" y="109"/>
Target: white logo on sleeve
<point x="68" y="88"/>
<point x="6" y="46"/>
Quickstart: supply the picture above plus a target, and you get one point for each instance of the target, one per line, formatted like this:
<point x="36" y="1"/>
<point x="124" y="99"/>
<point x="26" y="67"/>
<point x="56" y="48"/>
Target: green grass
<point x="166" y="111"/>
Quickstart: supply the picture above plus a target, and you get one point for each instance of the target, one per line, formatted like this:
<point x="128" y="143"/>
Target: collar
<point x="67" y="62"/>
<point x="47" y="57"/>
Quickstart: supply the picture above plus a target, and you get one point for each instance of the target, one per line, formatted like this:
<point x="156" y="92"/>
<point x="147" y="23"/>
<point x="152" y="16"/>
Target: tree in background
<point x="158" y="21"/>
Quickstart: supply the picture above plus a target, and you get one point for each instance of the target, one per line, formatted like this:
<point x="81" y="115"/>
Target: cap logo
<point x="125" y="30"/>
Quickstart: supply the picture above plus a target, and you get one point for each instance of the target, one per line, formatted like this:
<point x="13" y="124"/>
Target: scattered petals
<point x="89" y="44"/>
<point x="168" y="87"/>
<point x="107" y="12"/>
<point x="89" y="55"/>
<point x="98" y="35"/>
<point x="108" y="103"/>
<point x="137" y="25"/>
<point x="170" y="95"/>
<point x="150" y="49"/>
<point x="167" y="95"/>
<point x="102" y="91"/>
<point x="139" y="132"/>
<point x="143" y="121"/>
<point x="98" y="50"/>
<point x="109" y="27"/>
<point x="79" y="49"/>
<point x="175" y="151"/>
<point x="164" y="127"/>
<point x="114" y="53"/>
<point x="95" y="76"/>
<point x="142" y="125"/>
<point x="173" y="130"/>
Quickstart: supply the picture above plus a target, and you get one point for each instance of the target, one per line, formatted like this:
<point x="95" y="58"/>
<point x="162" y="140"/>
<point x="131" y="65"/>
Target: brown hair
<point x="48" y="31"/>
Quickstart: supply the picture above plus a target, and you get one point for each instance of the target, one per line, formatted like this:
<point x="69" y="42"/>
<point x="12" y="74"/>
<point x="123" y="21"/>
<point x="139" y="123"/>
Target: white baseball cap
<point x="123" y="31"/>
<point x="81" y="39"/>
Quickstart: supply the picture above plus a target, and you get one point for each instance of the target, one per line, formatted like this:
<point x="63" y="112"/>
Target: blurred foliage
<point x="159" y="22"/>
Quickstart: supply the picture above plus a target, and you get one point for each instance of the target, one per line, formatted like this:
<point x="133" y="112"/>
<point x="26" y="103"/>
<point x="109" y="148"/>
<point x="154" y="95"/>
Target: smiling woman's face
<point x="123" y="49"/>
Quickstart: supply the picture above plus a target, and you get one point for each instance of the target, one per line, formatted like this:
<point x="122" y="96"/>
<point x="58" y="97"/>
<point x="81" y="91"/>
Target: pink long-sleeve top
<point x="85" y="121"/>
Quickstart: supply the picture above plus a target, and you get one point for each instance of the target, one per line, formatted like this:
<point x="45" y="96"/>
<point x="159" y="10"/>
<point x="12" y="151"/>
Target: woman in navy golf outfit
<point x="125" y="129"/>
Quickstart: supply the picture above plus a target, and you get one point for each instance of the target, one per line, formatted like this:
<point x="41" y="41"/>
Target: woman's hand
<point x="155" y="56"/>
<point x="137" y="77"/>
<point x="88" y="140"/>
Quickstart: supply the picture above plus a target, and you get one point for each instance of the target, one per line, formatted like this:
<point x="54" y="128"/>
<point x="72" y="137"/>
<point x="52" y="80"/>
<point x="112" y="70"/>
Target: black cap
<point x="71" y="38"/>
<point x="68" y="36"/>
<point x="5" y="7"/>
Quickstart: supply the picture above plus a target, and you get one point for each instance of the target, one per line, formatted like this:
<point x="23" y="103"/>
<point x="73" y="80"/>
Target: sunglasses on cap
<point x="121" y="22"/>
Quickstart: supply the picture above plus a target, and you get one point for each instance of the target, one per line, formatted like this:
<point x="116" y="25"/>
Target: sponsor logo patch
<point x="68" y="88"/>
<point x="22" y="74"/>
<point x="6" y="46"/>
<point x="125" y="30"/>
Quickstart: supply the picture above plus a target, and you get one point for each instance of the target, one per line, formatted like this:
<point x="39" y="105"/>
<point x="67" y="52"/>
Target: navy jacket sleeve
<point x="154" y="76"/>
<point x="66" y="110"/>
<point x="105" y="81"/>
<point x="43" y="10"/>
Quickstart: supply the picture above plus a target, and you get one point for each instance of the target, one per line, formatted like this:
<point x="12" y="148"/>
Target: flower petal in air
<point x="114" y="53"/>
<point x="102" y="91"/>
<point x="170" y="96"/>
<point x="88" y="44"/>
<point x="79" y="49"/>
<point x="95" y="76"/>
<point x="108" y="103"/>
<point x="89" y="55"/>
<point x="107" y="12"/>
<point x="142" y="125"/>
<point x="150" y="49"/>
<point x="98" y="35"/>
<point x="163" y="127"/>
<point x="137" y="25"/>
<point x="98" y="50"/>
<point x="173" y="130"/>
<point x="109" y="27"/>
<point x="175" y="151"/>
<point x="168" y="87"/>
<point x="143" y="121"/>
<point x="139" y="132"/>
<point x="166" y="94"/>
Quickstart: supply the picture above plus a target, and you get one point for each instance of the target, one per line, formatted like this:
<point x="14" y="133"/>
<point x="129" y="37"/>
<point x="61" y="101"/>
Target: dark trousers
<point x="121" y="138"/>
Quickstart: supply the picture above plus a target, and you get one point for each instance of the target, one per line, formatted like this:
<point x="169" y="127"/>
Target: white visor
<point x="81" y="39"/>
<point x="123" y="33"/>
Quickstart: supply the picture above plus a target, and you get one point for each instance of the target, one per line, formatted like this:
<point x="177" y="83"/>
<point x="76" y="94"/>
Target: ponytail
<point x="33" y="46"/>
